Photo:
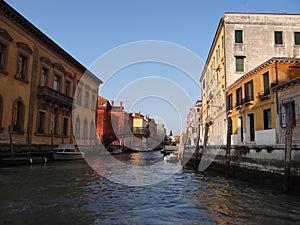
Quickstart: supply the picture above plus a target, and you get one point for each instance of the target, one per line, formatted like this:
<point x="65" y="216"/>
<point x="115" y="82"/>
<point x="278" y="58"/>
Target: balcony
<point x="51" y="95"/>
<point x="265" y="94"/>
<point x="141" y="131"/>
<point x="248" y="100"/>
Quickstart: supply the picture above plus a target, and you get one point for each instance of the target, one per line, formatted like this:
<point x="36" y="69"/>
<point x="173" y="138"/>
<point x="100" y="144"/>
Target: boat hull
<point x="68" y="155"/>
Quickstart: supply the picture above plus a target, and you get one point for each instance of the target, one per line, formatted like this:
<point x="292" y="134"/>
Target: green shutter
<point x="239" y="61"/>
<point x="238" y="36"/>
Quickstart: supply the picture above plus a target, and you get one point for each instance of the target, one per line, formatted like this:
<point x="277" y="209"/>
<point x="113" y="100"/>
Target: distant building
<point x="193" y="128"/>
<point x="38" y="80"/>
<point x="242" y="42"/>
<point x="112" y="122"/>
<point x="252" y="104"/>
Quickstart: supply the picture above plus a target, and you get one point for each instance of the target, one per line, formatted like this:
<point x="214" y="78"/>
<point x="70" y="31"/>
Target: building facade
<point x="193" y="129"/>
<point x="242" y="41"/>
<point x="254" y="107"/>
<point x="38" y="84"/>
<point x="288" y="93"/>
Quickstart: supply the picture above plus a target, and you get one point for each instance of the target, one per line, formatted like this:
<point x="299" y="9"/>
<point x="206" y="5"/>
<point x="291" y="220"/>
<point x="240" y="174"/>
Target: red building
<point x="112" y="121"/>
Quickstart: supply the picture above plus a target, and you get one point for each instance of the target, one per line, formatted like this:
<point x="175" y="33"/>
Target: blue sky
<point x="89" y="29"/>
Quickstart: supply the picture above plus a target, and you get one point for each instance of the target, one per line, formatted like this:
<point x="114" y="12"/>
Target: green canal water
<point x="73" y="193"/>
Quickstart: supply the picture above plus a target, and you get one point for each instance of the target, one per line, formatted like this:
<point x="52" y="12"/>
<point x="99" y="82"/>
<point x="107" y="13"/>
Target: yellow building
<point x="252" y="104"/>
<point x="38" y="80"/>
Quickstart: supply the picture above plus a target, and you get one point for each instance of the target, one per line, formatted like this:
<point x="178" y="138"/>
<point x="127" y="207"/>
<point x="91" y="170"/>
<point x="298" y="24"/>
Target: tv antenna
<point x="246" y="5"/>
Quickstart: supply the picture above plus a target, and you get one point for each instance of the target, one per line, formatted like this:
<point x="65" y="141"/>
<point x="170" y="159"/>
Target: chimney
<point x="121" y="105"/>
<point x="112" y="103"/>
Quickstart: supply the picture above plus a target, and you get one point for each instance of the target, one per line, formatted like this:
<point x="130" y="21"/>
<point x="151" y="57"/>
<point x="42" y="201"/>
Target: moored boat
<point x="67" y="152"/>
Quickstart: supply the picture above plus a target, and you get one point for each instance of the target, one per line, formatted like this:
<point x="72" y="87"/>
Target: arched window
<point x="92" y="132"/>
<point x="1" y="111"/>
<point x="18" y="115"/>
<point x="85" y="130"/>
<point x="56" y="121"/>
<point x="77" y="128"/>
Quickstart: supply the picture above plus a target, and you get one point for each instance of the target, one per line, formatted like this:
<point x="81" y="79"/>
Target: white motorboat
<point x="116" y="151"/>
<point x="67" y="152"/>
<point x="170" y="158"/>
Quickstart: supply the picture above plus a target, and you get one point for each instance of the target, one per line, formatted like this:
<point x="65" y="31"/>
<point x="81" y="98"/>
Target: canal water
<point x="73" y="193"/>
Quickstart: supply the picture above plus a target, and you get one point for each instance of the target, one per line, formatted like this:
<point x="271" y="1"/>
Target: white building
<point x="193" y="124"/>
<point x="242" y="42"/>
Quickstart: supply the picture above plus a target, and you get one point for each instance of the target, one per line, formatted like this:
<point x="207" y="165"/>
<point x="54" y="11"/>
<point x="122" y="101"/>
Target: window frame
<point x="238" y="36"/>
<point x="24" y="52"/>
<point x="248" y="86"/>
<point x="238" y="97"/>
<point x="283" y="114"/>
<point x="41" y="129"/>
<point x="237" y="65"/>
<point x="267" y="116"/>
<point x="5" y="40"/>
<point x="297" y="38"/>
<point x="86" y="99"/>
<point x="280" y="38"/>
<point x="18" y="116"/>
<point x="229" y="102"/>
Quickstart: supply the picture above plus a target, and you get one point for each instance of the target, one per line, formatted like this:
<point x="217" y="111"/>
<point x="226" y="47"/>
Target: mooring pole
<point x="11" y="141"/>
<point x="197" y="161"/>
<point x="288" y="147"/>
<point x="228" y="145"/>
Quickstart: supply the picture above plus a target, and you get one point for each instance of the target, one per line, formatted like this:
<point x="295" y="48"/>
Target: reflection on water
<point x="73" y="193"/>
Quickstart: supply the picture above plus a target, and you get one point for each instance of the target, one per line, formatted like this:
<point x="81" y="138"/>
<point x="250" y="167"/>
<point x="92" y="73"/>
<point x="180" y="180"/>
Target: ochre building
<point x="38" y="81"/>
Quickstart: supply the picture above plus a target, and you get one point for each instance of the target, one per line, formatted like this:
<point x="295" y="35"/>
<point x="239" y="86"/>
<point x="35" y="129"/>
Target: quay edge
<point x="259" y="164"/>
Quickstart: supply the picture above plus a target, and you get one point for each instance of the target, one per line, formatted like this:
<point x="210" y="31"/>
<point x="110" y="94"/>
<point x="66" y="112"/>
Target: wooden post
<point x="197" y="161"/>
<point x="228" y="145"/>
<point x="288" y="147"/>
<point x="11" y="141"/>
<point x="29" y="140"/>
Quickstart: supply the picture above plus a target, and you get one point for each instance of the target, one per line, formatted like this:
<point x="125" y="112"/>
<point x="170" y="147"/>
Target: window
<point x="239" y="63"/>
<point x="266" y="83"/>
<point x="85" y="130"/>
<point x="22" y="67"/>
<point x="65" y="126"/>
<point x="238" y="36"/>
<point x="77" y="128"/>
<point x="278" y="38"/>
<point x="251" y="126"/>
<point x="297" y="38"/>
<point x="284" y="114"/>
<point x="56" y="121"/>
<point x="56" y="83"/>
<point x="238" y="97"/>
<point x="41" y="122"/>
<point x="249" y="95"/>
<point x="18" y="116"/>
<point x="86" y="99"/>
<point x="79" y="93"/>
<point x="93" y="103"/>
<point x="44" y="76"/>
<point x="92" y="133"/>
<point x="229" y="102"/>
<point x="203" y="84"/>
<point x="3" y="56"/>
<point x="267" y="119"/>
<point x="67" y="88"/>
<point x="241" y="130"/>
